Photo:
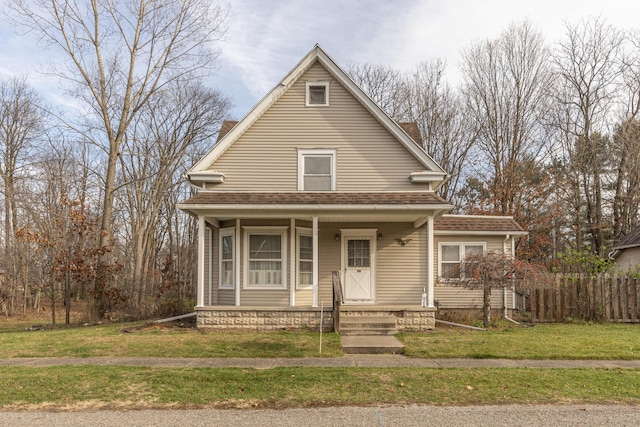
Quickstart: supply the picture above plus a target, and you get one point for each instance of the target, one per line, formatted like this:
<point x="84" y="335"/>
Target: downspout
<point x="504" y="289"/>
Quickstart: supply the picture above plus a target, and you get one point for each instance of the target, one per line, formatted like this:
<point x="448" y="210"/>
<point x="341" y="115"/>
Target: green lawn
<point x="109" y="340"/>
<point x="547" y="341"/>
<point x="97" y="387"/>
<point x="544" y="341"/>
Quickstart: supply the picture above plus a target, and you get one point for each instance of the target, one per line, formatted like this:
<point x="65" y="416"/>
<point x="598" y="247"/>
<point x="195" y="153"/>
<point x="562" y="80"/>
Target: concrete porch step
<point x="371" y="344"/>
<point x="368" y="325"/>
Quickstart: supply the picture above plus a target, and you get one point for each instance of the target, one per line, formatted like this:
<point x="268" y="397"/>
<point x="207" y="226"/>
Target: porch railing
<point x="337" y="299"/>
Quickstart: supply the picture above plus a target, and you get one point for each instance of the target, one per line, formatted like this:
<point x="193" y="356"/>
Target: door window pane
<point x="358" y="253"/>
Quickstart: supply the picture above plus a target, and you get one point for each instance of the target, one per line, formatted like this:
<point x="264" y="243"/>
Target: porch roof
<point x="329" y="206"/>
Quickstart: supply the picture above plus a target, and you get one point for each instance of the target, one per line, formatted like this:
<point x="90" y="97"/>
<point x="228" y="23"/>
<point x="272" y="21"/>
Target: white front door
<point x="358" y="252"/>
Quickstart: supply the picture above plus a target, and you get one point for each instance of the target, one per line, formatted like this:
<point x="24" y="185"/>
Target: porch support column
<point x="292" y="263"/>
<point x="430" y="260"/>
<point x="237" y="262"/>
<point x="315" y="259"/>
<point x="201" y="260"/>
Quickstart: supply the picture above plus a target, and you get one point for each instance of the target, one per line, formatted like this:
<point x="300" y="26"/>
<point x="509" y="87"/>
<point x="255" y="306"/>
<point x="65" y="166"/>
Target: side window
<point x="305" y="259"/>
<point x="227" y="261"/>
<point x="449" y="261"/>
<point x="317" y="94"/>
<point x="452" y="256"/>
<point x="317" y="170"/>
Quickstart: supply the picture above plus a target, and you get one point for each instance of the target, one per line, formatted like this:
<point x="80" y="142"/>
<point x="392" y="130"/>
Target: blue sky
<point x="267" y="38"/>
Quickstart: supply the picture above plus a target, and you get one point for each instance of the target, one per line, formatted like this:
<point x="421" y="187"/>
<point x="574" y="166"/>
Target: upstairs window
<point x="317" y="170"/>
<point x="317" y="94"/>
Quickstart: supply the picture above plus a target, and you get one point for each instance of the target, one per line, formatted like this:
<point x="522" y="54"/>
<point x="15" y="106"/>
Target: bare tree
<point x="385" y="85"/>
<point x="587" y="67"/>
<point x="120" y="53"/>
<point x="172" y="129"/>
<point x="506" y="83"/>
<point x="442" y="120"/>
<point x="626" y="143"/>
<point x="21" y="124"/>
<point x="423" y="97"/>
<point x="495" y="270"/>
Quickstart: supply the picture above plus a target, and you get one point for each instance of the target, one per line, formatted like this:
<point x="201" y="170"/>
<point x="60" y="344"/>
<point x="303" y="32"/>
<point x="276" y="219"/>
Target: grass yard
<point x="127" y="387"/>
<point x="160" y="341"/>
<point x="546" y="341"/>
<point x="609" y="341"/>
<point x="119" y="387"/>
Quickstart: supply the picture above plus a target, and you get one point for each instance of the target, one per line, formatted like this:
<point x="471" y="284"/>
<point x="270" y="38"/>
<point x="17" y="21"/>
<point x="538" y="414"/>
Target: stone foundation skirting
<point x="264" y="318"/>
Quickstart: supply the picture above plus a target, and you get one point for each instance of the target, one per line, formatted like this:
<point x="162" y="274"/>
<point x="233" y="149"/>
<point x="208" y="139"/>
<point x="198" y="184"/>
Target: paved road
<point x="387" y="416"/>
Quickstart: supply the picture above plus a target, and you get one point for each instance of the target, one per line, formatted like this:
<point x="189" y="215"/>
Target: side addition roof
<point x="478" y="225"/>
<point x="631" y="240"/>
<point x="317" y="54"/>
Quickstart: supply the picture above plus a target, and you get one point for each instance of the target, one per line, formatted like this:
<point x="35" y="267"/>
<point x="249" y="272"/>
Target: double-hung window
<point x="227" y="259"/>
<point x="316" y="170"/>
<point x="452" y="256"/>
<point x="305" y="258"/>
<point x="265" y="249"/>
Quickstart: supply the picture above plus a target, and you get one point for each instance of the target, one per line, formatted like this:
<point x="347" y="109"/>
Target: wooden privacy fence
<point x="603" y="297"/>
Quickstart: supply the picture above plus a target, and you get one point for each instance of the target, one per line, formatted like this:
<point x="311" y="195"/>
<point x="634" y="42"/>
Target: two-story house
<point x="318" y="179"/>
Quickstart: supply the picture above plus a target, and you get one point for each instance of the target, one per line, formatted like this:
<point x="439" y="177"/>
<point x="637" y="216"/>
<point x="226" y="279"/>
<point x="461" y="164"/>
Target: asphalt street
<point x="387" y="416"/>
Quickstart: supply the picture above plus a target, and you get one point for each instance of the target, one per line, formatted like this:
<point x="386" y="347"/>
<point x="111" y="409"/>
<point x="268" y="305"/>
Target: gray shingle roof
<point x="630" y="240"/>
<point x="313" y="198"/>
<point x="476" y="223"/>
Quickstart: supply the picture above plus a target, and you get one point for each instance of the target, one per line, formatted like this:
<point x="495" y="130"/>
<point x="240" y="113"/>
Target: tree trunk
<point x="486" y="306"/>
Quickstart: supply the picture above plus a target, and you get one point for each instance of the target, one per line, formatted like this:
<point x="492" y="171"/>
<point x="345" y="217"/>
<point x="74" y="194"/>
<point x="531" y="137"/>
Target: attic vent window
<point x="317" y="94"/>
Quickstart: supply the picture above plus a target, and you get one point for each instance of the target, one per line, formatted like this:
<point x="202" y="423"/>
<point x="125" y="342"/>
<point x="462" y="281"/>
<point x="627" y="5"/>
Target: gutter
<point x="171" y="319"/>
<point x="504" y="289"/>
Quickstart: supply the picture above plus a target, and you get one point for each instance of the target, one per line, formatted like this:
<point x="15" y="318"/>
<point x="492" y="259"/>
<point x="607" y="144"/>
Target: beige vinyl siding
<point x="328" y="259"/>
<point x="265" y="158"/>
<point x="628" y="260"/>
<point x="456" y="296"/>
<point x="401" y="270"/>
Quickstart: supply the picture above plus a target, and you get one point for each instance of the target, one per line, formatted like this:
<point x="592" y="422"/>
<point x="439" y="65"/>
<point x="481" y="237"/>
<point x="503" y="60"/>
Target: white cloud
<point x="266" y="39"/>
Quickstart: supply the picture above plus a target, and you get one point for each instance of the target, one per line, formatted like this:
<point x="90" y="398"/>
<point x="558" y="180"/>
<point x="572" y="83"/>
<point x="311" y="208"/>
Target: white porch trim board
<point x="292" y="262"/>
<point x="237" y="262"/>
<point x="430" y="261"/>
<point x="314" y="234"/>
<point x="201" y="261"/>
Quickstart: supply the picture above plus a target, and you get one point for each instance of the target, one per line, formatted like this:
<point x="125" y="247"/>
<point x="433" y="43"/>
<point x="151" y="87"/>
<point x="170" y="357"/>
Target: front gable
<point x="263" y="151"/>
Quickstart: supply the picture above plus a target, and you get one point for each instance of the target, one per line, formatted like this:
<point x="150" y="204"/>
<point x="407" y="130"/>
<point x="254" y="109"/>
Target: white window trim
<point x="307" y="232"/>
<point x="308" y="97"/>
<point x="224" y="232"/>
<point x="461" y="246"/>
<point x="282" y="232"/>
<point x="302" y="153"/>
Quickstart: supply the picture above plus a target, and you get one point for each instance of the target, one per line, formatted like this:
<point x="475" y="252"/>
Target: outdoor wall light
<point x="379" y="236"/>
<point x="337" y="237"/>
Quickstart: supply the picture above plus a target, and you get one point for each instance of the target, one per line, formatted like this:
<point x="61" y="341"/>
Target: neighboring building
<point x="626" y="253"/>
<point x="317" y="179"/>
